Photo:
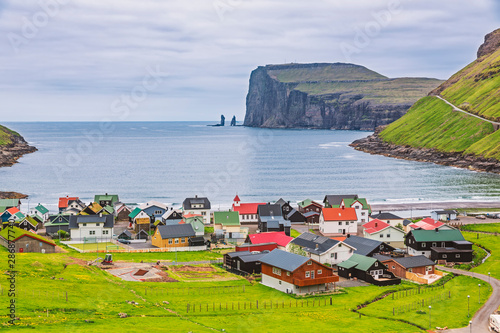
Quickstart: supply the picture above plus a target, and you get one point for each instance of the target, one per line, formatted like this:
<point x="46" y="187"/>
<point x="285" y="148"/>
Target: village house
<point x="430" y="224"/>
<point x="26" y="241"/>
<point x="70" y="205"/>
<point x="338" y="221"/>
<point x="39" y="213"/>
<point x="57" y="222"/>
<point x="309" y="205"/>
<point x="444" y="215"/>
<point x="278" y="237"/>
<point x="271" y="219"/>
<point x="227" y="225"/>
<point x="388" y="218"/>
<point x="97" y="228"/>
<point x="173" y="236"/>
<point x="9" y="203"/>
<point x="334" y="201"/>
<point x="443" y="245"/>
<point x="122" y="212"/>
<point x="295" y="274"/>
<point x="106" y="199"/>
<point x="142" y="234"/>
<point x="419" y="269"/>
<point x="379" y="230"/>
<point x="29" y="224"/>
<point x="199" y="206"/>
<point x="244" y="261"/>
<point x="154" y="209"/>
<point x="363" y="209"/>
<point x="286" y="208"/>
<point x="368" y="247"/>
<point x="196" y="221"/>
<point x="125" y="235"/>
<point x="247" y="211"/>
<point x="93" y="208"/>
<point x="312" y="218"/>
<point x="139" y="220"/>
<point x="172" y="215"/>
<point x="11" y="214"/>
<point x="258" y="247"/>
<point x="295" y="216"/>
<point x="367" y="269"/>
<point x="322" y="249"/>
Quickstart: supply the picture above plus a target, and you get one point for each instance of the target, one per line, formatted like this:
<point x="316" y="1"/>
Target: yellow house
<point x="172" y="236"/>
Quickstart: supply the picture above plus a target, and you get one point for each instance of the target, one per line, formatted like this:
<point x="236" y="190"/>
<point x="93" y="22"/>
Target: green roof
<point x="20" y="232"/>
<point x="349" y="202"/>
<point x="20" y="216"/>
<point x="440" y="236"/>
<point x="106" y="197"/>
<point x="227" y="218"/>
<point x="305" y="203"/>
<point x="361" y="262"/>
<point x="9" y="202"/>
<point x="31" y="220"/>
<point x="109" y="209"/>
<point x="134" y="213"/>
<point x="3" y="209"/>
<point x="42" y="209"/>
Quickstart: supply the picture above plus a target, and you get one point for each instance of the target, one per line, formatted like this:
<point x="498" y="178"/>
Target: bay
<point x="169" y="161"/>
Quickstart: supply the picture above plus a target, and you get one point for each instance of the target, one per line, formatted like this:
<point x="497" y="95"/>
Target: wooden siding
<point x="299" y="276"/>
<point x="164" y="243"/>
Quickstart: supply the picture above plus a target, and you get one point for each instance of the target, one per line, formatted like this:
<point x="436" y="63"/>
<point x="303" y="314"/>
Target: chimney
<point x="196" y="195"/>
<point x="376" y="224"/>
<point x="100" y="214"/>
<point x="348" y="235"/>
<point x="317" y="246"/>
<point x="380" y="212"/>
<point x="106" y="193"/>
<point x="437" y="230"/>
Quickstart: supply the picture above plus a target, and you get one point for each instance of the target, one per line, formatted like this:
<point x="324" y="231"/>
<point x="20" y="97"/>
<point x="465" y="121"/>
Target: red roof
<point x="427" y="224"/>
<point x="339" y="214"/>
<point x="375" y="226"/>
<point x="340" y="239"/>
<point x="63" y="202"/>
<point x="247" y="208"/>
<point x="236" y="198"/>
<point x="13" y="210"/>
<point x="277" y="237"/>
<point x="191" y="215"/>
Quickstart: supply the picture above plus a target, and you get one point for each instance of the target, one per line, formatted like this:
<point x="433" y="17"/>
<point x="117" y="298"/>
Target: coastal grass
<point x="324" y="73"/>
<point x="492" y="244"/>
<point x="5" y="135"/>
<point x="294" y="233"/>
<point x="484" y="227"/>
<point x="426" y="121"/>
<point x="452" y="296"/>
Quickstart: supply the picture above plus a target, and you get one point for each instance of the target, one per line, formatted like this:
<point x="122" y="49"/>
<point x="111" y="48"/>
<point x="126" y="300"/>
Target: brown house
<point x="172" y="236"/>
<point x="416" y="268"/>
<point x="26" y="241"/>
<point x="295" y="274"/>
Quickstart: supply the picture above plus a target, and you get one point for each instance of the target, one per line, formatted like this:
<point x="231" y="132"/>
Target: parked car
<point x="124" y="241"/>
<point x="481" y="217"/>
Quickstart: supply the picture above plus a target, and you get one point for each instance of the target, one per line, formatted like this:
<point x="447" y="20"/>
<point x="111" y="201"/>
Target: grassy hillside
<point x="323" y="72"/>
<point x="5" y="135"/>
<point x="431" y="123"/>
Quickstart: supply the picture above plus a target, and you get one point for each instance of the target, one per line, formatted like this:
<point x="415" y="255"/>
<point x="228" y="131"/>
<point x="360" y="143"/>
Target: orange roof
<point x="339" y="214"/>
<point x="375" y="225"/>
<point x="63" y="202"/>
<point x="340" y="239"/>
<point x="13" y="210"/>
<point x="191" y="215"/>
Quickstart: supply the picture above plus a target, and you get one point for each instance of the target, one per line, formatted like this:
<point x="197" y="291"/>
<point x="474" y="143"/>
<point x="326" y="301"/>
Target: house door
<point x="343" y="231"/>
<point x="312" y="274"/>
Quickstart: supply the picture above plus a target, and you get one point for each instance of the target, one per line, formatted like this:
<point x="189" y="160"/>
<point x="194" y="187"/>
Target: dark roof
<point x="188" y="202"/>
<point x="75" y="220"/>
<point x="448" y="250"/>
<point x="463" y="242"/>
<point x="269" y="210"/>
<point x="284" y="260"/>
<point x="281" y="202"/>
<point x="292" y="212"/>
<point x="410" y="262"/>
<point x="253" y="257"/>
<point x="198" y="239"/>
<point x="445" y="212"/>
<point x="310" y="213"/>
<point x="125" y="233"/>
<point x="385" y="216"/>
<point x="363" y="246"/>
<point x="406" y="222"/>
<point x="309" y="241"/>
<point x="336" y="200"/>
<point x="238" y="254"/>
<point x="178" y="230"/>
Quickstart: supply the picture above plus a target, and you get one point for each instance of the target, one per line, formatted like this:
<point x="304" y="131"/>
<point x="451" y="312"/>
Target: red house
<point x="247" y="211"/>
<point x="295" y="274"/>
<point x="277" y="237"/>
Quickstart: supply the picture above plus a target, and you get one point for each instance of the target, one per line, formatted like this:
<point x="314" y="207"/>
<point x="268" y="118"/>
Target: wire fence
<point x="414" y="291"/>
<point x="418" y="304"/>
<point x="195" y="290"/>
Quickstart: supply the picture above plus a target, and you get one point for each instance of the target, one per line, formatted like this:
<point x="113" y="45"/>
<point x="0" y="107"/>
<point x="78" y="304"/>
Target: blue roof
<point x="284" y="260"/>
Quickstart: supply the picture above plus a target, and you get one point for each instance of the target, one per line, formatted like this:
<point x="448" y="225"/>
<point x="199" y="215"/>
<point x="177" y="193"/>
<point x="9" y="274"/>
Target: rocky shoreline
<point x="374" y="145"/>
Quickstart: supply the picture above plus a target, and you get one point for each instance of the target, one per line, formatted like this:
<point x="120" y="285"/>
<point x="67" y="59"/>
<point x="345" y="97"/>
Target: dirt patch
<point x="76" y="261"/>
<point x="164" y="278"/>
<point x="187" y="268"/>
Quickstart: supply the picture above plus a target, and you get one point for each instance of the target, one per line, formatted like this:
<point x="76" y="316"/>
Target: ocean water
<point x="168" y="161"/>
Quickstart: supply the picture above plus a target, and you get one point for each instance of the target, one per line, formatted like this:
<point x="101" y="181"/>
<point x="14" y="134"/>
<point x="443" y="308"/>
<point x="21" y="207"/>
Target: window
<point x="381" y="235"/>
<point x="308" y="274"/>
<point x="433" y="244"/>
<point x="388" y="235"/>
<point x="97" y="224"/>
<point x="279" y="282"/>
<point x="320" y="271"/>
<point x="362" y="213"/>
<point x="60" y="219"/>
<point x="287" y="273"/>
<point x="445" y="256"/>
<point x="158" y="212"/>
<point x="41" y="244"/>
<point x="105" y="232"/>
<point x="351" y="251"/>
<point x="424" y="245"/>
<point x="340" y="231"/>
<point x="277" y="271"/>
<point x="376" y="264"/>
<point x="309" y="262"/>
<point x="92" y="232"/>
<point x="170" y="241"/>
<point x="177" y="241"/>
<point x="428" y="268"/>
<point x="203" y="213"/>
<point x="363" y="220"/>
<point x="340" y="223"/>
<point x="410" y="270"/>
<point x="393" y="267"/>
<point x="457" y="255"/>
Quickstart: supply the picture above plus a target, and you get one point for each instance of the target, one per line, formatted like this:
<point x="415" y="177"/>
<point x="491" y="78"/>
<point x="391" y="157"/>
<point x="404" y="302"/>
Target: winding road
<point x="480" y="321"/>
<point x="455" y="108"/>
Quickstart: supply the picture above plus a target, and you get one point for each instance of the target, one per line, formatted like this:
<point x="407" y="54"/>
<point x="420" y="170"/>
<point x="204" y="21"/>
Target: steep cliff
<point x="332" y="96"/>
<point x="12" y="147"/>
<point x="465" y="135"/>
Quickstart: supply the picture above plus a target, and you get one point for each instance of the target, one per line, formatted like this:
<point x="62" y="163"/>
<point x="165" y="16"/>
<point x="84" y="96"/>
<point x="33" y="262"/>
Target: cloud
<point x="87" y="53"/>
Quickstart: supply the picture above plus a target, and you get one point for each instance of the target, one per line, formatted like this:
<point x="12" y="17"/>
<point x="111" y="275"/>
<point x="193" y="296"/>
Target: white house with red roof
<point x="277" y="237"/>
<point x="247" y="211"/>
<point x="70" y="205"/>
<point x="429" y="224"/>
<point x="380" y="231"/>
<point x="338" y="221"/>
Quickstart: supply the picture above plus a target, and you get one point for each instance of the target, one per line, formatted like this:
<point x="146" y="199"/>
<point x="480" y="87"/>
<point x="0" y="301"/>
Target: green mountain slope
<point x="431" y="123"/>
<point x="6" y="136"/>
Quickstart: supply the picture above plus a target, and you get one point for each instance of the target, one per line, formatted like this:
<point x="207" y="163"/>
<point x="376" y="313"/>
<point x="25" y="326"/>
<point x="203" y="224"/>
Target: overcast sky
<point x="129" y="60"/>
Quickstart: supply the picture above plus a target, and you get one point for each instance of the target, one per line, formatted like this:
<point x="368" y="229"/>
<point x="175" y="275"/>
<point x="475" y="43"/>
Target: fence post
<point x="66" y="296"/>
<point x="330" y="301"/>
<point x="257" y="304"/>
<point x="393" y="311"/>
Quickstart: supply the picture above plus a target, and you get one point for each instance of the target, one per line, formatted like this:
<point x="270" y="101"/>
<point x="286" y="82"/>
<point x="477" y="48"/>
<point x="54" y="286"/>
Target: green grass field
<point x="492" y="244"/>
<point x="485" y="227"/>
<point x="294" y="233"/>
<point x="97" y="246"/>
